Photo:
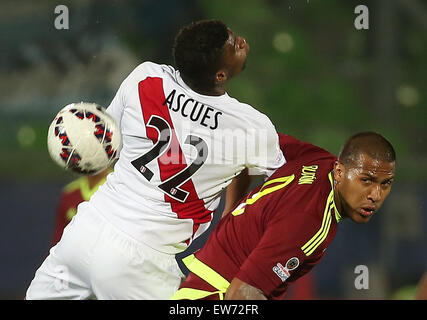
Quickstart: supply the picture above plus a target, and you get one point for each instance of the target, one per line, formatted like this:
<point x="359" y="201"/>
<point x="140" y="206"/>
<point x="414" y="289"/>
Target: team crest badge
<point x="292" y="263"/>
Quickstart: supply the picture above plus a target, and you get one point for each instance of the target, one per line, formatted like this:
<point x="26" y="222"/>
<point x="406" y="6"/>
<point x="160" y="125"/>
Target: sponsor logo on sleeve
<point x="283" y="272"/>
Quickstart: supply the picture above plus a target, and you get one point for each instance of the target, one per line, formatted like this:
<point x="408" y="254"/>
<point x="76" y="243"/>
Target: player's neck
<point x="216" y="90"/>
<point x="337" y="199"/>
<point x="213" y="92"/>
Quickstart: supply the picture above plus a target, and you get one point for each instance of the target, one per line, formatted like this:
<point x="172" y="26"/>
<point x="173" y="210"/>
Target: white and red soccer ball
<point x="83" y="137"/>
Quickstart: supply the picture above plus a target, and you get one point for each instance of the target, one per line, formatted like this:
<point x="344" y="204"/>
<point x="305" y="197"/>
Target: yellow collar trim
<point x="337" y="214"/>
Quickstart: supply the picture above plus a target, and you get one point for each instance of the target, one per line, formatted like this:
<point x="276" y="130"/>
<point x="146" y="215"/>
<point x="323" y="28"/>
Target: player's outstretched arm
<point x="240" y="290"/>
<point x="236" y="190"/>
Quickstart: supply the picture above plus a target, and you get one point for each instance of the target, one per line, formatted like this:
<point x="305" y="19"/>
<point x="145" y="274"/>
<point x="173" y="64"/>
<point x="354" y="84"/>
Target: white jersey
<point x="180" y="150"/>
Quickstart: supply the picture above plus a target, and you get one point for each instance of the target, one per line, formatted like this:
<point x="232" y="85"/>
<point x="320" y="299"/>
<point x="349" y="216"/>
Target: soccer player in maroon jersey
<point x="281" y="230"/>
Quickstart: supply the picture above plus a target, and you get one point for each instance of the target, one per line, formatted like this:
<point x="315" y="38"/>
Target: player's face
<point x="363" y="187"/>
<point x="235" y="52"/>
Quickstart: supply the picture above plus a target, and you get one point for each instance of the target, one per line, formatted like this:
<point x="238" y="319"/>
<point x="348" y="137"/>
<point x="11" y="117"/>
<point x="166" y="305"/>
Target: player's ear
<point x="221" y="77"/>
<point x="339" y="171"/>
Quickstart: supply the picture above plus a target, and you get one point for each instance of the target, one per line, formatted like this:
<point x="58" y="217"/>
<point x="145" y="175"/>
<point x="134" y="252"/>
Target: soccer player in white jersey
<point x="184" y="140"/>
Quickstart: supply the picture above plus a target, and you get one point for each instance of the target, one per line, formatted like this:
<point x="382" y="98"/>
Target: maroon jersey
<point x="72" y="195"/>
<point x="280" y="230"/>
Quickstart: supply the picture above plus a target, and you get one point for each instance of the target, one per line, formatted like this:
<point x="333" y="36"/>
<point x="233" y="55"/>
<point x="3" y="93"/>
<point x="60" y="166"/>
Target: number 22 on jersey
<point x="172" y="185"/>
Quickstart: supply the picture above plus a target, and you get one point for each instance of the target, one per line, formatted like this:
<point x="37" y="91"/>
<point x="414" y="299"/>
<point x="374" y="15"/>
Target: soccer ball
<point x="84" y="138"/>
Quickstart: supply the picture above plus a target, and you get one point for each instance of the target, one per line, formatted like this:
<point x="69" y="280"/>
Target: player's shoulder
<point x="313" y="186"/>
<point x="149" y="68"/>
<point x="307" y="169"/>
<point x="251" y="115"/>
<point x="302" y="191"/>
<point x="251" y="111"/>
<point x="310" y="181"/>
<point x="145" y="70"/>
<point x="294" y="149"/>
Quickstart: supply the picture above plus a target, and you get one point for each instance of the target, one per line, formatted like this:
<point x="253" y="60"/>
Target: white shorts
<point x="95" y="260"/>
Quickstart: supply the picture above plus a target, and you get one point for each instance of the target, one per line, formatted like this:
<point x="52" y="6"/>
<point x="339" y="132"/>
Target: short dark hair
<point x="371" y="143"/>
<point x="198" y="51"/>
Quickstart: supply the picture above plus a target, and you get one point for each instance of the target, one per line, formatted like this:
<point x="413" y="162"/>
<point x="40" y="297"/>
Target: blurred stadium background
<point x="316" y="76"/>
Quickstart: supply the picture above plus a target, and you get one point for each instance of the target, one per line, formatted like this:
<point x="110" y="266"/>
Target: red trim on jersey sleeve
<point x="152" y="99"/>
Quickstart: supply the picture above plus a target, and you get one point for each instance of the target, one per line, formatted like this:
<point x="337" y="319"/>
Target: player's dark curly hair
<point x="198" y="53"/>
